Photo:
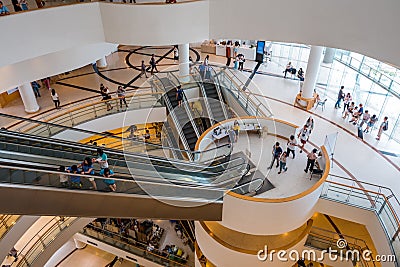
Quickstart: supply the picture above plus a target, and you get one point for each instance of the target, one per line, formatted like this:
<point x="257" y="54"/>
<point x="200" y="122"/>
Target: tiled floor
<point x="93" y="257"/>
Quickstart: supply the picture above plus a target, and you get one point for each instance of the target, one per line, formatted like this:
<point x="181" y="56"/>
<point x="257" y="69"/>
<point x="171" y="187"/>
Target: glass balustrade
<point x="378" y="199"/>
<point x="135" y="247"/>
<point x="6" y="223"/>
<point x="42" y="239"/>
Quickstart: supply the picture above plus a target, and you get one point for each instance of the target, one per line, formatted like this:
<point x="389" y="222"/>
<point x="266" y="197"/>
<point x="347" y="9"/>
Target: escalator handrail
<point x="211" y="187"/>
<point x="186" y="105"/>
<point x="204" y="168"/>
<point x="96" y="133"/>
<point x="205" y="98"/>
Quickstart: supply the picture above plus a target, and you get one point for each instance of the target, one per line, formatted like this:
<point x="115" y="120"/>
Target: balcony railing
<point x="135" y="247"/>
<point x="379" y="199"/>
<point x="6" y="223"/>
<point x="42" y="239"/>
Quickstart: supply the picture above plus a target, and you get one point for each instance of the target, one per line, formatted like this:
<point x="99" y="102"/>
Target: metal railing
<point x="379" y="199"/>
<point x="249" y="101"/>
<point x="129" y="144"/>
<point x="197" y="77"/>
<point x="160" y="87"/>
<point x="6" y="223"/>
<point x="42" y="239"/>
<point x="185" y="102"/>
<point x="133" y="246"/>
<point x="90" y="111"/>
<point x="323" y="239"/>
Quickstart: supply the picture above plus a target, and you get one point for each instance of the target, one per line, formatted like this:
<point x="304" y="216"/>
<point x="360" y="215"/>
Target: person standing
<point x="241" y="61"/>
<point x="75" y="180"/>
<point x="291" y="146"/>
<point x="384" y="127"/>
<point x="371" y="123"/>
<point x="35" y="87"/>
<point x="105" y="93"/>
<point x="228" y="53"/>
<point x="347" y="100"/>
<point x="276" y="154"/>
<point x="365" y="118"/>
<point x="176" y="53"/>
<point x="143" y="69"/>
<point x="300" y="74"/>
<point x="55" y="98"/>
<point x="121" y="95"/>
<point x="23" y="4"/>
<point x="46" y="82"/>
<point x="107" y="173"/>
<point x="310" y="124"/>
<point x="282" y="163"/>
<point x="153" y="64"/>
<point x="179" y="95"/>
<point x="339" y="97"/>
<point x="236" y="129"/>
<point x="311" y="157"/>
<point x="87" y="168"/>
<point x="102" y="159"/>
<point x="303" y="135"/>
<point x="16" y="5"/>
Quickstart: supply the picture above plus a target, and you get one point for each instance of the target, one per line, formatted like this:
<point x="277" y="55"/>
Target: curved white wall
<point x="342" y="24"/>
<point x="264" y="218"/>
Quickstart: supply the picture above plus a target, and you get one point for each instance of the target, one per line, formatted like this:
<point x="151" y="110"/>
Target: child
<point x="110" y="182"/>
<point x="63" y="177"/>
<point x="282" y="161"/>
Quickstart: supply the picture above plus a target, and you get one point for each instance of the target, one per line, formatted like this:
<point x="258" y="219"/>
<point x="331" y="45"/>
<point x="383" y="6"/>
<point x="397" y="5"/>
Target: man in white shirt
<point x="303" y="135"/>
<point x="291" y="146"/>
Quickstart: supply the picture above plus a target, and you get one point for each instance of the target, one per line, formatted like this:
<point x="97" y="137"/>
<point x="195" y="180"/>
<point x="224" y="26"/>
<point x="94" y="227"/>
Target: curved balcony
<point x="290" y="204"/>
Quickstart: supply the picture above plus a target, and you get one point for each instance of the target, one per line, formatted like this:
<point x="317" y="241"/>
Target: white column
<point x="329" y="55"/>
<point x="184" y="62"/>
<point x="28" y="98"/>
<point x="102" y="62"/>
<point x="313" y="65"/>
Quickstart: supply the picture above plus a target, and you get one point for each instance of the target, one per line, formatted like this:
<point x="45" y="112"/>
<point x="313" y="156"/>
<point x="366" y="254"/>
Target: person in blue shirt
<point x="110" y="182"/>
<point x="87" y="168"/>
<point x="3" y="10"/>
<point x="179" y="95"/>
<point x="75" y="180"/>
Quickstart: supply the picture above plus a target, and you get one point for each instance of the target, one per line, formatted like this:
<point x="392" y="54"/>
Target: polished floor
<point x="353" y="157"/>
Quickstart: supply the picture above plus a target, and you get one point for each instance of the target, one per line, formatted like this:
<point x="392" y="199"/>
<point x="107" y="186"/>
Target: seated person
<point x="289" y="68"/>
<point x="349" y="110"/>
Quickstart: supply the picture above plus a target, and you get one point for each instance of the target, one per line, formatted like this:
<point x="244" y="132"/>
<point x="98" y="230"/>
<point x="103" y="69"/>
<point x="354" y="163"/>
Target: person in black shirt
<point x="276" y="154"/>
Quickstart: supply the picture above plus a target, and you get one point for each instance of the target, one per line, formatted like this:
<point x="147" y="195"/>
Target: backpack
<point x="386" y="126"/>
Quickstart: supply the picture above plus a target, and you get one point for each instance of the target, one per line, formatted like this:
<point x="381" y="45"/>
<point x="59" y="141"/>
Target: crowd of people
<point x="279" y="155"/>
<point x="68" y="179"/>
<point x="358" y="115"/>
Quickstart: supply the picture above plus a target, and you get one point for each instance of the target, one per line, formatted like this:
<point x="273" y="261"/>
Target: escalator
<point x="215" y="102"/>
<point x="39" y="150"/>
<point x="184" y="121"/>
<point x="29" y="172"/>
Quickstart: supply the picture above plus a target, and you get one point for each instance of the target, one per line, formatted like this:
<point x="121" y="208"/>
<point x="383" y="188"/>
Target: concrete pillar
<point x="28" y="98"/>
<point x="329" y="55"/>
<point x="184" y="68"/>
<point x="313" y="65"/>
<point x="102" y="62"/>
